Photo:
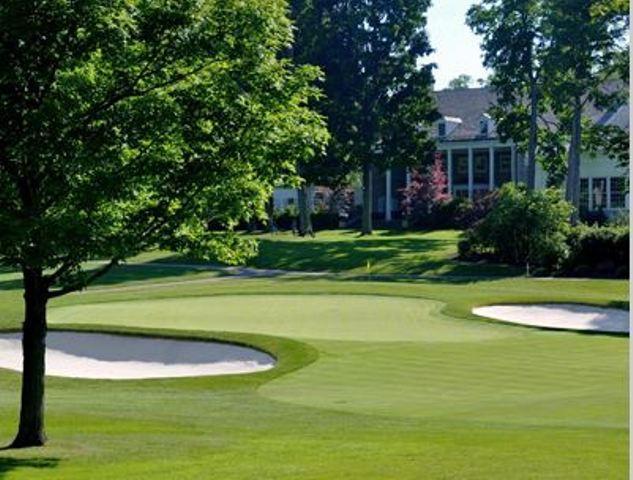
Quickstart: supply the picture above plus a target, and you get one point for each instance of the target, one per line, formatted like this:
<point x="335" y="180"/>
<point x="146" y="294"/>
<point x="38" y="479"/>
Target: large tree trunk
<point x="531" y="167"/>
<point x="368" y="194"/>
<point x="31" y="428"/>
<point x="572" y="187"/>
<point x="305" y="214"/>
<point x="270" y="211"/>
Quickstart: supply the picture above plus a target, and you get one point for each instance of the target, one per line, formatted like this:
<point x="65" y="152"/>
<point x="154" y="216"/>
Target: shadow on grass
<point x="340" y="256"/>
<point x="378" y="257"/>
<point x="7" y="465"/>
<point x="621" y="304"/>
<point x="134" y="272"/>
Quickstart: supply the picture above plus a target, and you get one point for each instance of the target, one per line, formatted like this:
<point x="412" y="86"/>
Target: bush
<point x="325" y="220"/>
<point x="469" y="212"/>
<point x="459" y="213"/>
<point x="286" y="218"/>
<point x="523" y="228"/>
<point x="598" y="250"/>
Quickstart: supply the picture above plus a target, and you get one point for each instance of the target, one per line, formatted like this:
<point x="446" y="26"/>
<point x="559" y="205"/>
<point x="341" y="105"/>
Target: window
<point x="460" y="167"/>
<point x="584" y="194"/>
<point x="618" y="192"/>
<point x="441" y="129"/>
<point x="290" y="201"/>
<point x="503" y="166"/>
<point x="481" y="167"/>
<point x="599" y="193"/>
<point x="483" y="127"/>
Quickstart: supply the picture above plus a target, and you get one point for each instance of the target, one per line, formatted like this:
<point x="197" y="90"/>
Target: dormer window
<point x="483" y="127"/>
<point x="441" y="129"/>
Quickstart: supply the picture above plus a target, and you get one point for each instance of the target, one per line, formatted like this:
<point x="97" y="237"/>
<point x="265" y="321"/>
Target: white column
<point x="408" y="177"/>
<point x="388" y="195"/>
<point x="491" y="168"/>
<point x="513" y="162"/>
<point x="590" y="191"/>
<point x="608" y="193"/>
<point x="471" y="173"/>
<point x="449" y="170"/>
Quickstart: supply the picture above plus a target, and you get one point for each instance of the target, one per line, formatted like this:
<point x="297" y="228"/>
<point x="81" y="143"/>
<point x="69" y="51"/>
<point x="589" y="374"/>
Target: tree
<point x="588" y="47"/>
<point x="322" y="170"/>
<point x="461" y="81"/>
<point x="378" y="97"/>
<point x="133" y="124"/>
<point x="514" y="46"/>
<point x="427" y="189"/>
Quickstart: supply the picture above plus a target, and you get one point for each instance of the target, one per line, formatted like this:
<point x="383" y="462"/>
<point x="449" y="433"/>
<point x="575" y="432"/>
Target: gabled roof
<point x="470" y="104"/>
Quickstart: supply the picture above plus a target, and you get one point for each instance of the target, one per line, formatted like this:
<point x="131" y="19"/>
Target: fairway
<point x="374" y="380"/>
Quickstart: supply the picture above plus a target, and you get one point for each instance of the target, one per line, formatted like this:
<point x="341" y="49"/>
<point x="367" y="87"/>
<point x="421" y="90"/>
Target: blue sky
<point x="456" y="46"/>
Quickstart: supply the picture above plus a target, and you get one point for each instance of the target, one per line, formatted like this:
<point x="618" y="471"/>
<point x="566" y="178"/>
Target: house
<point x="477" y="161"/>
<point x="284" y="197"/>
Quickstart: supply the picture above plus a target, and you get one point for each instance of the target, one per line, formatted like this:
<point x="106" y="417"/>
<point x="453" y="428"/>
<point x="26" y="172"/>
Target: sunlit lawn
<point x="376" y="379"/>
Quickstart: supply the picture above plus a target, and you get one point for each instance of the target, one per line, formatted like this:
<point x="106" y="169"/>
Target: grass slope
<point x="385" y="252"/>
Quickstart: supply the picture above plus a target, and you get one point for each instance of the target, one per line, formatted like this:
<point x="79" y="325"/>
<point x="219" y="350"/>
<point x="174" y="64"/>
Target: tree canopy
<point x="514" y="46"/>
<point x="588" y="47"/>
<point x="128" y="124"/>
<point x="549" y="60"/>
<point x="461" y="81"/>
<point x="377" y="94"/>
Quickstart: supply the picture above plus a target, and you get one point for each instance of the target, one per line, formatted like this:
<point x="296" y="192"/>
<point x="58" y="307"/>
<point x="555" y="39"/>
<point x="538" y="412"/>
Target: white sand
<point x="101" y="356"/>
<point x="560" y="316"/>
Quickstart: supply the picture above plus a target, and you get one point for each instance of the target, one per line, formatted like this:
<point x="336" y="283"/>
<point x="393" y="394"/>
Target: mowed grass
<point x="385" y="252"/>
<point x="376" y="380"/>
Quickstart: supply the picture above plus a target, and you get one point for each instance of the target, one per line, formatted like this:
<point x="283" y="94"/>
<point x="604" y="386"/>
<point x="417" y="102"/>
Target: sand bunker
<point x="101" y="356"/>
<point x="560" y="316"/>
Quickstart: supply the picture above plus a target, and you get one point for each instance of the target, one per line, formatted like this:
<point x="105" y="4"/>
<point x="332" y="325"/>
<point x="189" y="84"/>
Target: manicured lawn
<point x="376" y="380"/>
<point x="385" y="252"/>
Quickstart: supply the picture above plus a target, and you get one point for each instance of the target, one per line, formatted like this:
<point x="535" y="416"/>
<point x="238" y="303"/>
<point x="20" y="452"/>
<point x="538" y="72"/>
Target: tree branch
<point x="80" y="285"/>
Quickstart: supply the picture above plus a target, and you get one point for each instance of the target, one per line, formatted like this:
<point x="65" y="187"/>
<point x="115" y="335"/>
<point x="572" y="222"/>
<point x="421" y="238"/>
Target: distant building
<point x="477" y="161"/>
<point x="318" y="197"/>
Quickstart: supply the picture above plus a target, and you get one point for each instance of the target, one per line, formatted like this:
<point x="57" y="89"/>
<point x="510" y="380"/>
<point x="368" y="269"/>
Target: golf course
<point x="384" y="376"/>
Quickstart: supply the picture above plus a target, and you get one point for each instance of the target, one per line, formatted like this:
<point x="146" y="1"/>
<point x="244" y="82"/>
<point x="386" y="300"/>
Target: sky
<point x="456" y="46"/>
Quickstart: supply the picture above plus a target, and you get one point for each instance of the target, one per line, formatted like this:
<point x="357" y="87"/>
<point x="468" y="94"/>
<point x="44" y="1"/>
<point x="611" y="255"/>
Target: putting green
<point x="394" y="356"/>
<point x="327" y="317"/>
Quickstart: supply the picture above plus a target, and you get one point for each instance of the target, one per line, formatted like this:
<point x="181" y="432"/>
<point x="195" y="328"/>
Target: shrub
<point x="286" y="218"/>
<point x="325" y="220"/>
<point x="469" y="212"/>
<point x="598" y="250"/>
<point x="523" y="228"/>
<point x="458" y="212"/>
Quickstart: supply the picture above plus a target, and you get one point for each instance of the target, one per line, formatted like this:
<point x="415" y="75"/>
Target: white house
<point x="477" y="161"/>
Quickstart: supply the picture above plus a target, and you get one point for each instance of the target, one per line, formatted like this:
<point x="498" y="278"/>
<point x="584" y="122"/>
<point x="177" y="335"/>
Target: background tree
<point x="461" y="81"/>
<point x="323" y="170"/>
<point x="514" y="45"/>
<point x="588" y="47"/>
<point x="427" y="190"/>
<point x="378" y="96"/>
<point x="132" y="124"/>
